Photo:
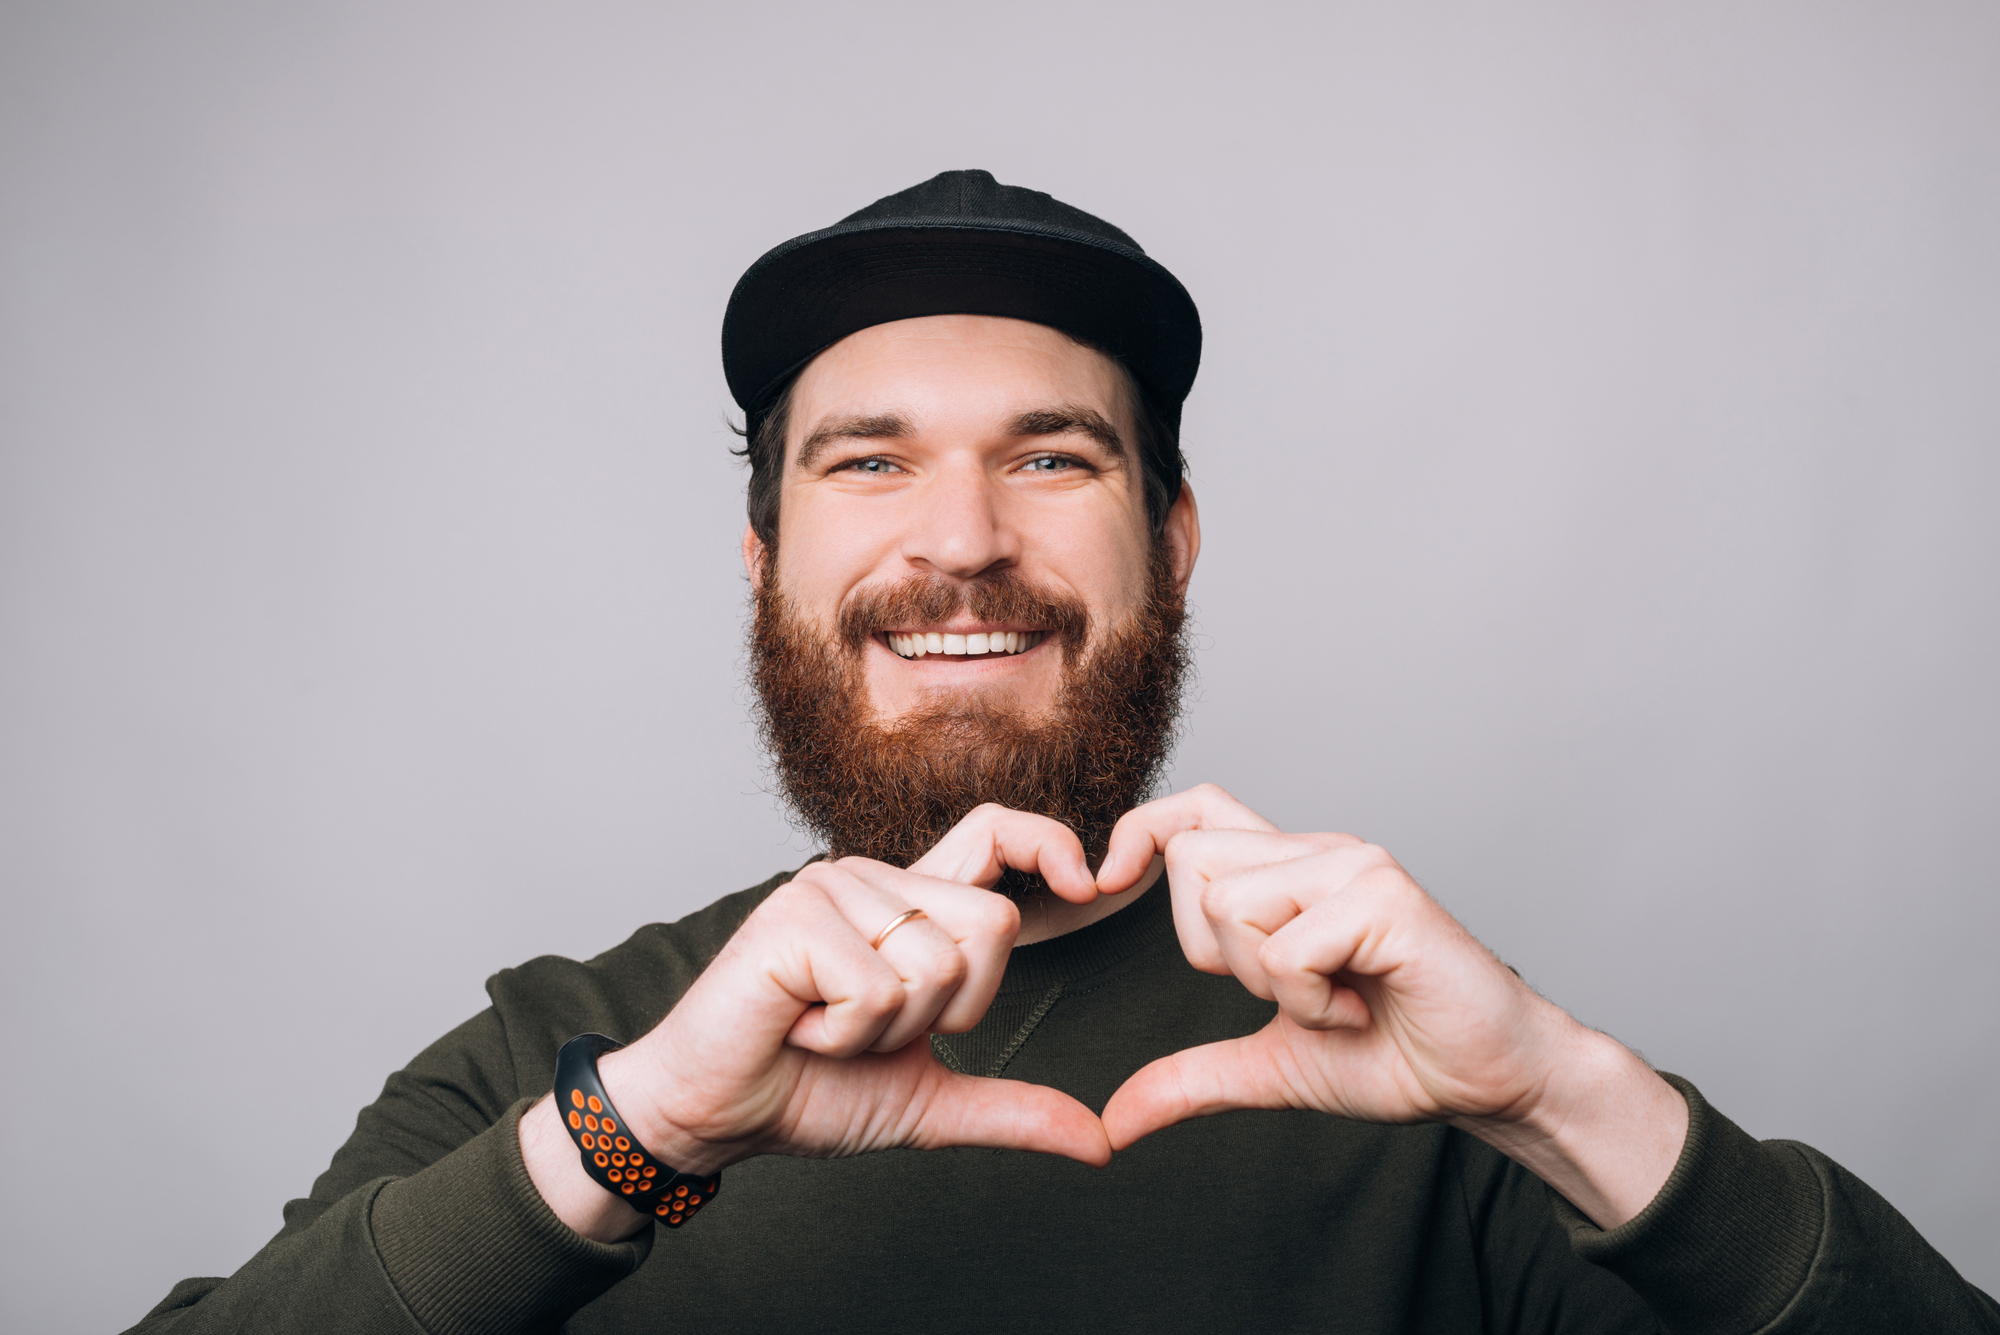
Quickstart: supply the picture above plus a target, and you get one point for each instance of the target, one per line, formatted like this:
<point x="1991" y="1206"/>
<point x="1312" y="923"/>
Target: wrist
<point x="1602" y="1128"/>
<point x="652" y="1102"/>
<point x="551" y="1161"/>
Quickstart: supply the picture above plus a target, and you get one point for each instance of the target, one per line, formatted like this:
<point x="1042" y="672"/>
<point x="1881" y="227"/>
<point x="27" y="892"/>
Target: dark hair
<point x="1161" y="462"/>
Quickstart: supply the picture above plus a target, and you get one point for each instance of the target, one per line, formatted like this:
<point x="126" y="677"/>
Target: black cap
<point x="960" y="244"/>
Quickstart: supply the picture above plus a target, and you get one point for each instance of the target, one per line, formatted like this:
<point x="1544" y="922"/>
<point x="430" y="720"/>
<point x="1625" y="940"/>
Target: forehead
<point x="955" y="371"/>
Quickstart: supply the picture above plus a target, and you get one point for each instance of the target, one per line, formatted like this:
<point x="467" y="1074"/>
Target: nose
<point x="959" y="526"/>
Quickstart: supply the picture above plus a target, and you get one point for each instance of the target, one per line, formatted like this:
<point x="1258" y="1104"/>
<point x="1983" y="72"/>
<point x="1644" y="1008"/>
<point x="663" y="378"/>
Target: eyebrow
<point x="1062" y="420"/>
<point x="1057" y="421"/>
<point x="879" y="426"/>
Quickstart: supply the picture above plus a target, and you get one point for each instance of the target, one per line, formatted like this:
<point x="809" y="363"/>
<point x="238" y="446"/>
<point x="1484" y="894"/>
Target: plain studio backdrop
<point x="1596" y="443"/>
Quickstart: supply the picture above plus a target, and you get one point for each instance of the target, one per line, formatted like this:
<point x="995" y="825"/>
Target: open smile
<point x="979" y="644"/>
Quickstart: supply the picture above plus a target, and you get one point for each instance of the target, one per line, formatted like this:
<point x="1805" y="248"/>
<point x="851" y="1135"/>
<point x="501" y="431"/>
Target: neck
<point x="1045" y="917"/>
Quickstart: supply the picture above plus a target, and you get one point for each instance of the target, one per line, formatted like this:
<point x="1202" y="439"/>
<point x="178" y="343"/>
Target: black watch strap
<point x="612" y="1155"/>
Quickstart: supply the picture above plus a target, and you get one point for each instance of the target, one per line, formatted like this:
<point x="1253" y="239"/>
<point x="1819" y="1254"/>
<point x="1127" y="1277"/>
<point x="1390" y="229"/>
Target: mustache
<point x="926" y="599"/>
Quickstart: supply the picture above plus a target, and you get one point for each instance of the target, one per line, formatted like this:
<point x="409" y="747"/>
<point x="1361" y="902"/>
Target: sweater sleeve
<point x="1774" y="1237"/>
<point x="426" y="1223"/>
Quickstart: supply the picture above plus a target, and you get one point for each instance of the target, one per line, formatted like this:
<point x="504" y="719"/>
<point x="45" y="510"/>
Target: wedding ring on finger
<point x="907" y="915"/>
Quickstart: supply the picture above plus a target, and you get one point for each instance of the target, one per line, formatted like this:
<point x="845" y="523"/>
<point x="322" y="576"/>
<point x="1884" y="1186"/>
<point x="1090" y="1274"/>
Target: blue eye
<point x="1050" y="465"/>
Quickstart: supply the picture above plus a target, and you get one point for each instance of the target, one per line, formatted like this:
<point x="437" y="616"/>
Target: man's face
<point x="962" y="449"/>
<point x="969" y="479"/>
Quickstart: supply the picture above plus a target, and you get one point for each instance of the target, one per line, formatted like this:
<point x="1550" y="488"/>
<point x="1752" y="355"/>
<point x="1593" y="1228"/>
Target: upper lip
<point x="964" y="628"/>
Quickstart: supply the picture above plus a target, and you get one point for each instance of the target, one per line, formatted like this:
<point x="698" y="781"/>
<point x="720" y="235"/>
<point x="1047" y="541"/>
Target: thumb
<point x="1215" y="1077"/>
<point x="1010" y="1115"/>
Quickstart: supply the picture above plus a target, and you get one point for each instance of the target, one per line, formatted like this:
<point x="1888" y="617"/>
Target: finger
<point x="1382" y="936"/>
<point x="1301" y="959"/>
<point x="1196" y="859"/>
<point x="981" y="924"/>
<point x="993" y="838"/>
<point x="1145" y="831"/>
<point x="932" y="970"/>
<point x="806" y="966"/>
<point x="1010" y="1115"/>
<point x="1247" y="886"/>
<point x="924" y="950"/>
<point x="1242" y="1072"/>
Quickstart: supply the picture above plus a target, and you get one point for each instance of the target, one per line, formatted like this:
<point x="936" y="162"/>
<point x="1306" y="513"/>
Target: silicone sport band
<point x="613" y="1158"/>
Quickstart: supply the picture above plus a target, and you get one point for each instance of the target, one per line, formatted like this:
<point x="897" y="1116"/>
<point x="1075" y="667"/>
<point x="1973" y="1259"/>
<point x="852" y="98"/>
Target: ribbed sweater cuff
<point x="473" y="1249"/>
<point x="1727" y="1242"/>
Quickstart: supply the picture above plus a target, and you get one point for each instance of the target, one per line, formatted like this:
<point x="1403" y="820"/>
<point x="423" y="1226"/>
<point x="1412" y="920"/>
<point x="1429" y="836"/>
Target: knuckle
<point x="997" y="916"/>
<point x="805" y="883"/>
<point x="782" y="904"/>
<point x="883" y="996"/>
<point x="1214" y="898"/>
<point x="1387" y="885"/>
<point x="1383" y="871"/>
<point x="947" y="966"/>
<point x="1278" y="955"/>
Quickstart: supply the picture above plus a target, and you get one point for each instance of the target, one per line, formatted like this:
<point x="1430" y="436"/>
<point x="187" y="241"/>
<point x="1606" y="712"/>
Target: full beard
<point x="890" y="790"/>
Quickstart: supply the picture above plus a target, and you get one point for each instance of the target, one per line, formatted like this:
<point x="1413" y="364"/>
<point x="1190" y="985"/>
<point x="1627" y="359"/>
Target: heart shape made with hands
<point x="802" y="1037"/>
<point x="1388" y="1010"/>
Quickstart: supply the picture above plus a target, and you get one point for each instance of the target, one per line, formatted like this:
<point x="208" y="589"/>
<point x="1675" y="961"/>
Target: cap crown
<point x="975" y="194"/>
<point x="960" y="243"/>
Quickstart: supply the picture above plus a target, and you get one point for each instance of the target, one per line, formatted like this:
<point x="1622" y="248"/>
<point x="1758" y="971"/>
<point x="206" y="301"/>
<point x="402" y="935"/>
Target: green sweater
<point x="1271" y="1221"/>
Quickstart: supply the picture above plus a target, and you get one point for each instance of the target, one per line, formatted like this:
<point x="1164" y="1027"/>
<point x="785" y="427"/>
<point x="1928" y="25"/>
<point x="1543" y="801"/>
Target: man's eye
<point x="1049" y="465"/>
<point x="868" y="466"/>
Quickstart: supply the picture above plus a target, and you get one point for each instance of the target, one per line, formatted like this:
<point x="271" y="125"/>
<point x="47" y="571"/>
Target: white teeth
<point x="919" y="644"/>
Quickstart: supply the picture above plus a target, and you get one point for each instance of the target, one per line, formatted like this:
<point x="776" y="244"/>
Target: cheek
<point x="1110" y="569"/>
<point x="819" y="564"/>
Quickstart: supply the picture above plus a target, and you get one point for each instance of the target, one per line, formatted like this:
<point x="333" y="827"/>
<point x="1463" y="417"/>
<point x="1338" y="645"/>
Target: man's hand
<point x="801" y="1039"/>
<point x="1389" y="1010"/>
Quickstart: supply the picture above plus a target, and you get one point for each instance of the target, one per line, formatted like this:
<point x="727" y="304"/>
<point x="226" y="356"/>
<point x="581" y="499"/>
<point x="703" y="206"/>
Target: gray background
<point x="1596" y="444"/>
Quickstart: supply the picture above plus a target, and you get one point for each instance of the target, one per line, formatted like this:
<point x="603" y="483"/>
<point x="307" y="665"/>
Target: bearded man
<point x="959" y="1074"/>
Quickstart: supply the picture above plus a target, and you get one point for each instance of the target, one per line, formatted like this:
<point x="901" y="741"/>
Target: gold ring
<point x="907" y="915"/>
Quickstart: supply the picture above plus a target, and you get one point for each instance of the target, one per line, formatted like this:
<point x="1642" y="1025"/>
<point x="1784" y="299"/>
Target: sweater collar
<point x="1094" y="949"/>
